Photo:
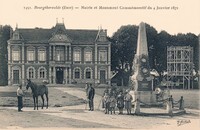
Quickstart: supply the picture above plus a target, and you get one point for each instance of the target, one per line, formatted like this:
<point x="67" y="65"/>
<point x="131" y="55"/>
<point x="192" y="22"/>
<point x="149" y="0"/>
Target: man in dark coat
<point x="90" y="96"/>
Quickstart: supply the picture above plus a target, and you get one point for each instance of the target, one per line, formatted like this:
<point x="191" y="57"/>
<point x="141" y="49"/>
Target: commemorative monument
<point x="141" y="79"/>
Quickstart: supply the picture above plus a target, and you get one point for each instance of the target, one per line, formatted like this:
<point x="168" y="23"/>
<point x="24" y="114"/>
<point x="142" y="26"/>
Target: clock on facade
<point x="60" y="37"/>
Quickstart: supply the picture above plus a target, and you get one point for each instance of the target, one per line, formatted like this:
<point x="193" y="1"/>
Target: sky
<point x="173" y="16"/>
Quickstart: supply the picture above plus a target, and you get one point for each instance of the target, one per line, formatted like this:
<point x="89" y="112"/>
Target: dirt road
<point x="74" y="115"/>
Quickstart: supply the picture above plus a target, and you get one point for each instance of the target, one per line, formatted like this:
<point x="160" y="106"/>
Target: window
<point x="42" y="73"/>
<point x="59" y="54"/>
<point x="88" y="73"/>
<point x="102" y="55"/>
<point x="41" y="55"/>
<point x="31" y="56"/>
<point x="77" y="73"/>
<point x="15" y="36"/>
<point x="15" y="55"/>
<point x="102" y="38"/>
<point x="30" y="73"/>
<point x="77" y="55"/>
<point x="88" y="56"/>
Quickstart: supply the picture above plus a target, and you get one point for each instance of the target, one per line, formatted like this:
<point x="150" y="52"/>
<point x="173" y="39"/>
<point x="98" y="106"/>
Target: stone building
<point x="59" y="55"/>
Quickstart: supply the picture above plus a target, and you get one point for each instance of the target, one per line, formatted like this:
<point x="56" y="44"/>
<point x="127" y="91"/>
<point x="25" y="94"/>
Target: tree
<point x="164" y="39"/>
<point x="4" y="37"/>
<point x="123" y="45"/>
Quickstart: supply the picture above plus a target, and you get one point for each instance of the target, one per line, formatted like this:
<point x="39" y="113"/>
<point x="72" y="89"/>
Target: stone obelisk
<point x="142" y="77"/>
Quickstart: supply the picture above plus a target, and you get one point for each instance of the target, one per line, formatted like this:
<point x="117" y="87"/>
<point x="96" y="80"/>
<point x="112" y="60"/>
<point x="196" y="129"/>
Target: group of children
<point x="112" y="100"/>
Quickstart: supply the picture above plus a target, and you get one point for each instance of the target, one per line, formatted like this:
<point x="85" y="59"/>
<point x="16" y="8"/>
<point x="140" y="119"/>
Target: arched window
<point x="31" y="73"/>
<point x="77" y="73"/>
<point x="88" y="73"/>
<point x="42" y="73"/>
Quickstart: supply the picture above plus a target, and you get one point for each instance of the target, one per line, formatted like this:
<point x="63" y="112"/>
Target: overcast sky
<point x="184" y="18"/>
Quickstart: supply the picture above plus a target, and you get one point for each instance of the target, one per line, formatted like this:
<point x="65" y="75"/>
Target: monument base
<point x="146" y="97"/>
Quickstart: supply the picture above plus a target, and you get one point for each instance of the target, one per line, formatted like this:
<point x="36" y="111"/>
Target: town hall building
<point x="59" y="56"/>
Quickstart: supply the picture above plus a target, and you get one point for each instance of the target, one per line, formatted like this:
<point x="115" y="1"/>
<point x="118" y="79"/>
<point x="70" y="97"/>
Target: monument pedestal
<point x="141" y="98"/>
<point x="146" y="97"/>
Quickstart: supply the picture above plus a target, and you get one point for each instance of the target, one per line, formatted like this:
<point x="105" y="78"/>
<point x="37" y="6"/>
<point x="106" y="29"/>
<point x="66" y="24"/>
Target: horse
<point x="38" y="90"/>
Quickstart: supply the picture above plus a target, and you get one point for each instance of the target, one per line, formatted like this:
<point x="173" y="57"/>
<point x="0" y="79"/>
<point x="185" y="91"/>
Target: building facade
<point x="59" y="55"/>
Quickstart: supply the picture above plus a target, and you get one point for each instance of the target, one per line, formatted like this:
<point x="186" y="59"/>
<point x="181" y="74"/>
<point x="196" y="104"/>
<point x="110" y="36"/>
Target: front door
<point x="15" y="76"/>
<point x="102" y="76"/>
<point x="59" y="75"/>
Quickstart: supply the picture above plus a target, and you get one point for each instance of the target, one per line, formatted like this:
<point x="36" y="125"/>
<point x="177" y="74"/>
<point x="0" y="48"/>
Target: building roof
<point x="35" y="35"/>
<point x="79" y="36"/>
<point x="40" y="35"/>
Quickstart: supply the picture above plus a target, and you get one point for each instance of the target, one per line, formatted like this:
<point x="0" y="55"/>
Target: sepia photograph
<point x="99" y="64"/>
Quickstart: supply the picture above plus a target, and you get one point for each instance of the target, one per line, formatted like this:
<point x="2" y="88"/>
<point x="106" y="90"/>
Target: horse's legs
<point x="34" y="101"/>
<point x="37" y="102"/>
<point x="42" y="101"/>
<point x="46" y="94"/>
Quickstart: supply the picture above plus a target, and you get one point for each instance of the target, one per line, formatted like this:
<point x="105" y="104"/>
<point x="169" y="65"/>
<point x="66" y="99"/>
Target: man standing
<point x="90" y="96"/>
<point x="19" y="97"/>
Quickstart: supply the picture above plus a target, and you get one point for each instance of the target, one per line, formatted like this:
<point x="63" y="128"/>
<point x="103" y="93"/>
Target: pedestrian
<point x="172" y="100"/>
<point x="113" y="91"/>
<point x="128" y="102"/>
<point x="120" y="102"/>
<point x="90" y="96"/>
<point x="103" y="100"/>
<point x="20" y="95"/>
<point x="86" y="89"/>
<point x="106" y="102"/>
<point x="113" y="102"/>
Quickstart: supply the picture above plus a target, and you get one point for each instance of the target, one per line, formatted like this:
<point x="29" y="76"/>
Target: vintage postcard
<point x="99" y="64"/>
